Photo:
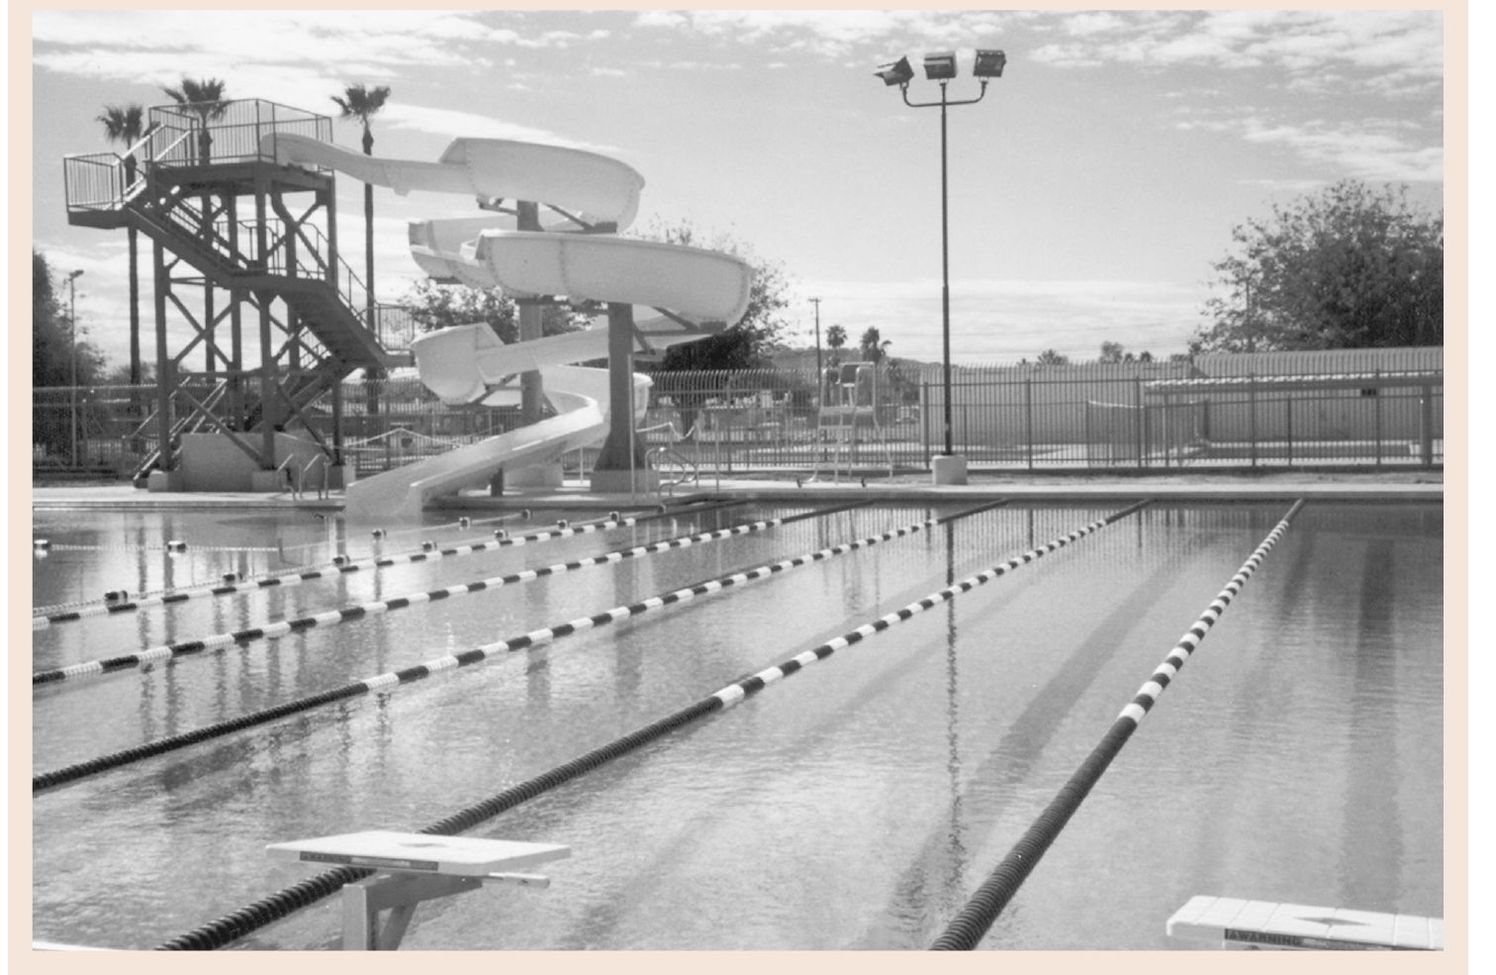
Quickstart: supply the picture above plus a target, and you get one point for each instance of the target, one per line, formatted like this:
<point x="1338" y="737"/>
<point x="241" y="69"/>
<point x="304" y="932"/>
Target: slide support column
<point x="620" y="467"/>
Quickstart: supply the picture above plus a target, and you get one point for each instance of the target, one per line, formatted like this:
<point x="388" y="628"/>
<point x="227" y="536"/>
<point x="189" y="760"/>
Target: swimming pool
<point x="855" y="805"/>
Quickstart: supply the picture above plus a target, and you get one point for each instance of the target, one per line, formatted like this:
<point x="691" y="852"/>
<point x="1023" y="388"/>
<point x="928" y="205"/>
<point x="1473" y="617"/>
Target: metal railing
<point x="233" y="131"/>
<point x="734" y="423"/>
<point x="306" y="260"/>
<point x="181" y="136"/>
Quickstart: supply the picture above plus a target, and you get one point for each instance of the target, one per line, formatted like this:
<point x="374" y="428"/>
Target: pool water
<point x="855" y="805"/>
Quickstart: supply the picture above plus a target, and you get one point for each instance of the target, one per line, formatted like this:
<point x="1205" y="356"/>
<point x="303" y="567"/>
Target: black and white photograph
<point x="741" y="480"/>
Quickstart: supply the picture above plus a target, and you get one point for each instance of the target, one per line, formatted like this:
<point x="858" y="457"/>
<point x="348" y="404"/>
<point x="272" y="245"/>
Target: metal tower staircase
<point x="230" y="286"/>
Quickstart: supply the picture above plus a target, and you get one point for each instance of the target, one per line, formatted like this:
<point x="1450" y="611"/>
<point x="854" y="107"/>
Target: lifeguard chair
<point x="848" y="421"/>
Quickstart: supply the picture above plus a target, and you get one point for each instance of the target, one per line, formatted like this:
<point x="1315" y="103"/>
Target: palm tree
<point x="362" y="104"/>
<point x="124" y="125"/>
<point x="874" y="346"/>
<point x="204" y="97"/>
<point x="836" y="337"/>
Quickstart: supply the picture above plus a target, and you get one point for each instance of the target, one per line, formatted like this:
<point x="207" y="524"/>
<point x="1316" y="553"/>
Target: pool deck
<point x="1402" y="487"/>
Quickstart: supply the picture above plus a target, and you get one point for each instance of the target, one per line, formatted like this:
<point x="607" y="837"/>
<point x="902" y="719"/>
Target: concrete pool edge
<point x="578" y="497"/>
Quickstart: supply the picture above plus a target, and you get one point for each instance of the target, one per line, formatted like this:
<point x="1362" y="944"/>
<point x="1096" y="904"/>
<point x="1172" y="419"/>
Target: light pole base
<point x="949" y="469"/>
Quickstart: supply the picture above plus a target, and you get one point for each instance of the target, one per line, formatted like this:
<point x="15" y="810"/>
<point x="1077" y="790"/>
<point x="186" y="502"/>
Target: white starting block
<point x="1230" y="922"/>
<point x="413" y="867"/>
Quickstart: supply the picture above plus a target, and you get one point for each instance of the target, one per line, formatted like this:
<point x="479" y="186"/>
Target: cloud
<point x="1383" y="43"/>
<point x="833" y="34"/>
<point x="1365" y="149"/>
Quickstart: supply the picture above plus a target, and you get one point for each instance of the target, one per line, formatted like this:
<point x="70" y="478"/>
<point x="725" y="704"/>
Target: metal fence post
<point x="1288" y="410"/>
<point x="1426" y="427"/>
<point x="1252" y="415"/>
<point x="1141" y="419"/>
<point x="924" y="421"/>
<point x="1028" y="418"/>
<point x="1377" y="414"/>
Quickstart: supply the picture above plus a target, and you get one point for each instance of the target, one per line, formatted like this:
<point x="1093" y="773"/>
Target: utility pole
<point x="819" y="368"/>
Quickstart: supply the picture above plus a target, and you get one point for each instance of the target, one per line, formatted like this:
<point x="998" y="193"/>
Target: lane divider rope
<point x="341" y="563"/>
<point x="348" y="614"/>
<point x="973" y="921"/>
<point x="343" y="566"/>
<point x="38" y="620"/>
<point x="394" y="679"/>
<point x="284" y="902"/>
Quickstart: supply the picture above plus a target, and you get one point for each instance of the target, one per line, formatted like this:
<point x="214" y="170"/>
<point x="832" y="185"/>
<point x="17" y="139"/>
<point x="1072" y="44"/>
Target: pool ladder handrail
<point x="296" y="477"/>
<point x="690" y="472"/>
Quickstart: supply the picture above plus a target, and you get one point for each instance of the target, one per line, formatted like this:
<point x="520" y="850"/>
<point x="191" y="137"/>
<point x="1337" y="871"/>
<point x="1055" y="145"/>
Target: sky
<point x="1089" y="191"/>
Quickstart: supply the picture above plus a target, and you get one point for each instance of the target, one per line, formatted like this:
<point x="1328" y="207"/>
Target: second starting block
<point x="413" y="867"/>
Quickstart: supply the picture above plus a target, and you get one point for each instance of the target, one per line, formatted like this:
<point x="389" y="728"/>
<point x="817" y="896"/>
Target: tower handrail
<point x="311" y="261"/>
<point x="114" y="162"/>
<point x="235" y="135"/>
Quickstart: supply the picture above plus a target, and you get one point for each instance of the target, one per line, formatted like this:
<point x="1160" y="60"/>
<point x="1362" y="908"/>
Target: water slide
<point x="469" y="364"/>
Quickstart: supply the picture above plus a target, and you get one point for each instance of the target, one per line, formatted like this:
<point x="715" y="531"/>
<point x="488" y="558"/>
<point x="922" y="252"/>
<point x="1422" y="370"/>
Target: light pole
<point x="819" y="368"/>
<point x="73" y="360"/>
<point x="941" y="67"/>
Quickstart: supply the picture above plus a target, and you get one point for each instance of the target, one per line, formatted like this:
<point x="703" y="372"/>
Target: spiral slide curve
<point x="465" y="363"/>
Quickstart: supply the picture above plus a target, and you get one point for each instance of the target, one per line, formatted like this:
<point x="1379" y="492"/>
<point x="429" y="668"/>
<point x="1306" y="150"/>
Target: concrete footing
<point x="161" y="481"/>
<point x="624" y="482"/>
<point x="949" y="469"/>
<point x="534" y="476"/>
<point x="267" y="482"/>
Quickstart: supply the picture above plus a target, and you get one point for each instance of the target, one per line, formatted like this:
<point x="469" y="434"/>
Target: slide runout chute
<point x="595" y="188"/>
<point x="403" y="493"/>
<point x="461" y="365"/>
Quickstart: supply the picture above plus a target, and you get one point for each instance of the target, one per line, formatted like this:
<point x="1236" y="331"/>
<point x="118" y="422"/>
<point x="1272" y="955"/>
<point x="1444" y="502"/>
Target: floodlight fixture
<point x="896" y="72"/>
<point x="940" y="66"/>
<point x="989" y="64"/>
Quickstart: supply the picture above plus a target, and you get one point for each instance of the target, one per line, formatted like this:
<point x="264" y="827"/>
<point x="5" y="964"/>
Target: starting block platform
<point x="1230" y="922"/>
<point x="411" y="868"/>
<point x="458" y="856"/>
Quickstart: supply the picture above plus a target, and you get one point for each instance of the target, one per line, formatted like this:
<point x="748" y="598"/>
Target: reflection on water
<point x="857" y="805"/>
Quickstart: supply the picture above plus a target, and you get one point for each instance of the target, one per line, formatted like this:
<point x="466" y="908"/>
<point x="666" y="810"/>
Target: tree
<point x="58" y="355"/>
<point x="753" y="336"/>
<point x="873" y="346"/>
<point x="435" y="306"/>
<point x="1350" y="267"/>
<point x="204" y="98"/>
<point x="1049" y="357"/>
<point x="362" y="104"/>
<point x="836" y="337"/>
<point x="1112" y="352"/>
<point x="125" y="125"/>
<point x="49" y="327"/>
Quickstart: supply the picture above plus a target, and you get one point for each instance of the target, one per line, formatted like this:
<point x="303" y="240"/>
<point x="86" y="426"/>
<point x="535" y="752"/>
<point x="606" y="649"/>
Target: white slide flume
<point x="468" y="364"/>
<point x="597" y="188"/>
